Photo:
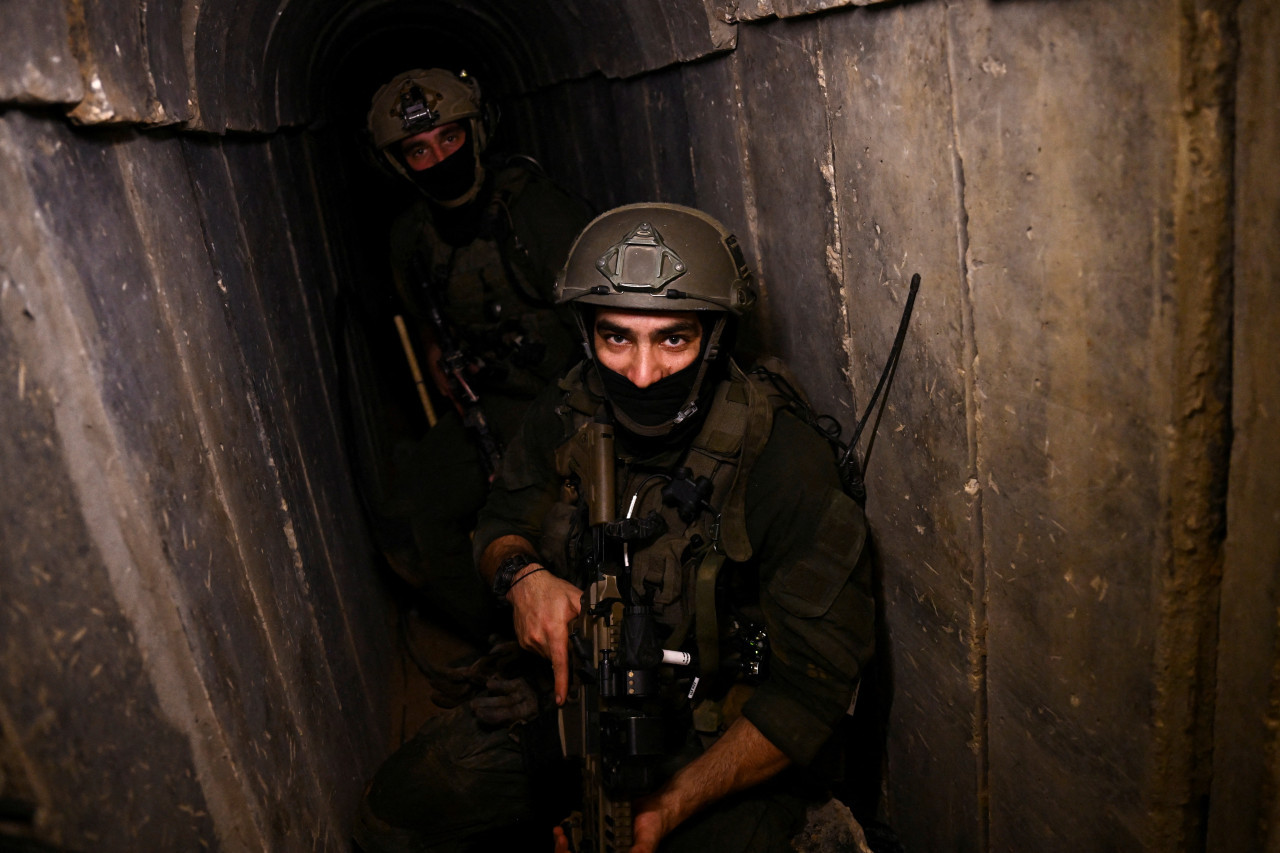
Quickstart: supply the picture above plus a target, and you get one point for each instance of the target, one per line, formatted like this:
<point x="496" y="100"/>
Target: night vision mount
<point x="415" y="111"/>
<point x="641" y="261"/>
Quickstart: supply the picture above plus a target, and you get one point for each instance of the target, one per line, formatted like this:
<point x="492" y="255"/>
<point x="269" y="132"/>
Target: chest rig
<point x="487" y="278"/>
<point x="680" y="515"/>
<point x="489" y="289"/>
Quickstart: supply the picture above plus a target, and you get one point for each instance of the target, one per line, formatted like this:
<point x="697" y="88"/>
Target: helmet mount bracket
<point x="414" y="109"/>
<point x="641" y="261"/>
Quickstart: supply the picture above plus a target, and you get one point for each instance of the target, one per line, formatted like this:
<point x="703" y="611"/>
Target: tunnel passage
<point x="1073" y="492"/>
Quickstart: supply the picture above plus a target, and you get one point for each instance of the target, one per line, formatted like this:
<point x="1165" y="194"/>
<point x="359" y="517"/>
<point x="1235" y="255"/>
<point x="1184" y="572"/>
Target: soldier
<point x="726" y="533"/>
<point x="474" y="262"/>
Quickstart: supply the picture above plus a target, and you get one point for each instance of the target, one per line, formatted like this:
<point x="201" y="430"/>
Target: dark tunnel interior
<point x="1073" y="497"/>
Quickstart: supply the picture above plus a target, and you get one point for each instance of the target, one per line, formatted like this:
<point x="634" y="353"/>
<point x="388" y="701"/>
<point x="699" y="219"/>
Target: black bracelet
<point x="525" y="575"/>
<point x="506" y="573"/>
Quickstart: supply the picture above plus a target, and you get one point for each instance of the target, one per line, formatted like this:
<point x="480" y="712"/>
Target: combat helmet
<point x="422" y="99"/>
<point x="659" y="257"/>
<point x="656" y="257"/>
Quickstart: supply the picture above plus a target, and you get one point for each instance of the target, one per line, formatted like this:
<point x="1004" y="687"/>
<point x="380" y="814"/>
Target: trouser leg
<point x="452" y="780"/>
<point x="442" y="488"/>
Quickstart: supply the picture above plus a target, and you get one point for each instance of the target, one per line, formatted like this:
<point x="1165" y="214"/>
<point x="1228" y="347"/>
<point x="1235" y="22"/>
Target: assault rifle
<point x="611" y="720"/>
<point x="458" y="367"/>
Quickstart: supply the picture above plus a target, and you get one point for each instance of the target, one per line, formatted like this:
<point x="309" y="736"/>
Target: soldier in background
<point x="474" y="262"/>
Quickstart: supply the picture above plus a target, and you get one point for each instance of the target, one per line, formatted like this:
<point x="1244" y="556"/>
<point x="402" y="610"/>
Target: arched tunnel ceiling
<point x="257" y="65"/>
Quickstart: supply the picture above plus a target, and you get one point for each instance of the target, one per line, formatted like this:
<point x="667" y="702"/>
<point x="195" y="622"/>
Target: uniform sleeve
<point x="815" y="590"/>
<point x="526" y="486"/>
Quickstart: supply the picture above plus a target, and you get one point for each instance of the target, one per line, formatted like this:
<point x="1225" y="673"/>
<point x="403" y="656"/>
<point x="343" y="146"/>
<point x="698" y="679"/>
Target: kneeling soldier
<point x="677" y="544"/>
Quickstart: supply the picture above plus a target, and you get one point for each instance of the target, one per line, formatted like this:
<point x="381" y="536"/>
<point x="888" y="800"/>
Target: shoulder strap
<point x="508" y="182"/>
<point x="577" y="391"/>
<point x="578" y="407"/>
<point x="733" y="437"/>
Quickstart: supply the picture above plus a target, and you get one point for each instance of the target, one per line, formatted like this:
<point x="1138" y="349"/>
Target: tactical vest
<point x="491" y="292"/>
<point x="678" y="567"/>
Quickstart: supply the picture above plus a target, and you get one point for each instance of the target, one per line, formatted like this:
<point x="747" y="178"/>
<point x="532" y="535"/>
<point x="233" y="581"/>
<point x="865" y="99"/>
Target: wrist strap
<point x="525" y="575"/>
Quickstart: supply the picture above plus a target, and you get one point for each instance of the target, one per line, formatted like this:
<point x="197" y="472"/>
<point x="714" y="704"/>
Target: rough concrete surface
<point x="901" y="196"/>
<point x="1242" y="786"/>
<point x="1069" y="384"/>
<point x="794" y="210"/>
<point x="36" y="63"/>
<point x="1073" y="486"/>
<point x="202" y="531"/>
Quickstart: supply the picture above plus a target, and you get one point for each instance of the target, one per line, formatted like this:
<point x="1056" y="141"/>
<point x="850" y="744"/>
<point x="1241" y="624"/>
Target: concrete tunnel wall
<point x="1073" y="490"/>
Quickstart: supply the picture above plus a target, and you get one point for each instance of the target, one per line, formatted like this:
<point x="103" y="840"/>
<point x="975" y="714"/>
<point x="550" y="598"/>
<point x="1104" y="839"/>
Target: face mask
<point x="649" y="414"/>
<point x="653" y="405"/>
<point x="452" y="177"/>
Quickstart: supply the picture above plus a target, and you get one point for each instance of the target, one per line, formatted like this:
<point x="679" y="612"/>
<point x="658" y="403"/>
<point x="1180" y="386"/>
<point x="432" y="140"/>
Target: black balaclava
<point x="641" y="413"/>
<point x="452" y="177"/>
<point x="654" y="405"/>
<point x="460" y="225"/>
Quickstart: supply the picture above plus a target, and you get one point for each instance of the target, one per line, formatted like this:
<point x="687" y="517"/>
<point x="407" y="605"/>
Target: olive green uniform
<point x="804" y="574"/>
<point x="492" y="265"/>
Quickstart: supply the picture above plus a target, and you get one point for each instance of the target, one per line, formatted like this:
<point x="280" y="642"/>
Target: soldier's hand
<point x="505" y="701"/>
<point x="543" y="606"/>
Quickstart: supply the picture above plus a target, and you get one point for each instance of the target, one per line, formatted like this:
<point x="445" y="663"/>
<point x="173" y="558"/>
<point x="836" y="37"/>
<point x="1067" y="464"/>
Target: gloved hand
<point x="505" y="701"/>
<point x="454" y="685"/>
